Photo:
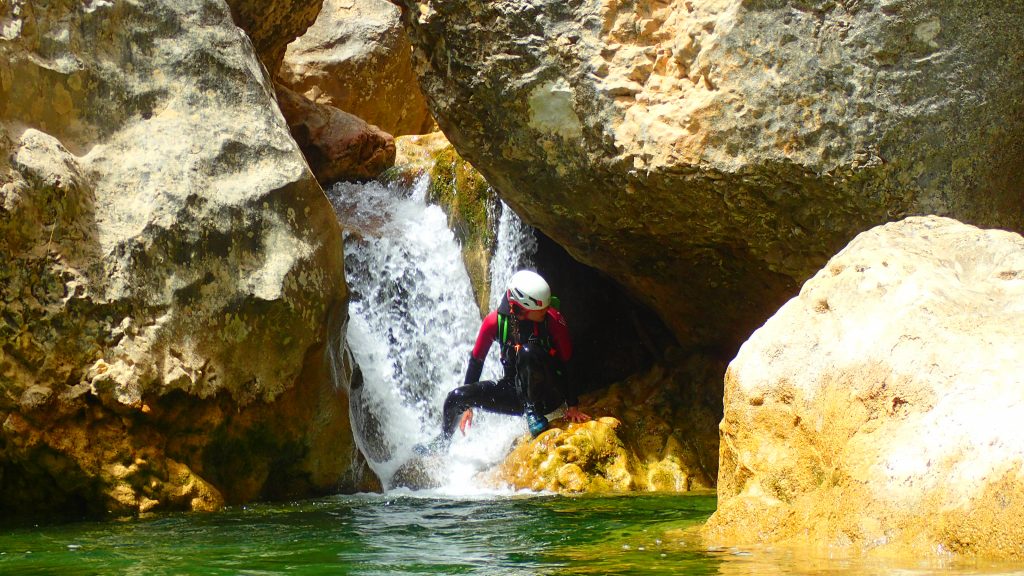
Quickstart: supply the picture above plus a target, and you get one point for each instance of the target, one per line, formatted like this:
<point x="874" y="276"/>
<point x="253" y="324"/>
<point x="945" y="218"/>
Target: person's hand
<point x="466" y="421"/>
<point x="573" y="414"/>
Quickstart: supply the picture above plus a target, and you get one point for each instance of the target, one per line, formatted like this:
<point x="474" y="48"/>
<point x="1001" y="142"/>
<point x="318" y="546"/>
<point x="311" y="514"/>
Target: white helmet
<point x="529" y="290"/>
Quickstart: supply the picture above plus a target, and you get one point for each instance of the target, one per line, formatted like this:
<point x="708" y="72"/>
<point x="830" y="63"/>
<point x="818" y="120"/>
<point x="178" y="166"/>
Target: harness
<point x="510" y="340"/>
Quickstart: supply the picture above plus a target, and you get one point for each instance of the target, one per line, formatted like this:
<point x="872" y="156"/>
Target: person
<point x="535" y="350"/>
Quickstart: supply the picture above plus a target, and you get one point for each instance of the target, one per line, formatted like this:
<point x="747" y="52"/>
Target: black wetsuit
<point x="535" y="356"/>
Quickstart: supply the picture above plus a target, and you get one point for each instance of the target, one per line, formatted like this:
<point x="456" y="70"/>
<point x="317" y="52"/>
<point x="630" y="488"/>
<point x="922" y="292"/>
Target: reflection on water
<point x="419" y="533"/>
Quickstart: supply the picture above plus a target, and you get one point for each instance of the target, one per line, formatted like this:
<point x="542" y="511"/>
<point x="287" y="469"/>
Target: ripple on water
<point x="417" y="534"/>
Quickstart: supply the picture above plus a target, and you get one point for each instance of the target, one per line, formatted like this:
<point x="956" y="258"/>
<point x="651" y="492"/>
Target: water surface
<point x="381" y="534"/>
<point x="415" y="533"/>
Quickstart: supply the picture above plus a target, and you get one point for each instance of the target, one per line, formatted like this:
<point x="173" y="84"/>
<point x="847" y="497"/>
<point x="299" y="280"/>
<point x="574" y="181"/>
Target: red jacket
<point x="556" y="326"/>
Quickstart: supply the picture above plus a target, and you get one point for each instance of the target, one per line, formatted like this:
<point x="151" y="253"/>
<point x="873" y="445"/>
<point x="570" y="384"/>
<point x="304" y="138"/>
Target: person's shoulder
<point x="556" y="316"/>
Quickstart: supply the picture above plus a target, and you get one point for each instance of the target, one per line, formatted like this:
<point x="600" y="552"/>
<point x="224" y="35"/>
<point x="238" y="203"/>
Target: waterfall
<point x="514" y="250"/>
<point x="413" y="321"/>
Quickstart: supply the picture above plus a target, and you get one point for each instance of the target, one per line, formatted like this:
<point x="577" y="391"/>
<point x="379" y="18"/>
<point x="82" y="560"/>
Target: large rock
<point x="357" y="57"/>
<point x="337" y="145"/>
<point x="272" y="24"/>
<point x="881" y="408"/>
<point x="645" y="437"/>
<point x="171" y="272"/>
<point x="712" y="154"/>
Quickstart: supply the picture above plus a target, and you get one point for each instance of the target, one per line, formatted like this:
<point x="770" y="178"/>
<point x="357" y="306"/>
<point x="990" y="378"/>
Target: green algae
<point x="468" y="200"/>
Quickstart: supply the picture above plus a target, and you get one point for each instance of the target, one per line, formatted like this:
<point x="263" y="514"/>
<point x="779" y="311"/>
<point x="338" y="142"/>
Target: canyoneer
<point x="535" y="350"/>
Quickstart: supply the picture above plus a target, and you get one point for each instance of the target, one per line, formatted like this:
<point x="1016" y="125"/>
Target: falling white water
<point x="413" y="321"/>
<point x="515" y="249"/>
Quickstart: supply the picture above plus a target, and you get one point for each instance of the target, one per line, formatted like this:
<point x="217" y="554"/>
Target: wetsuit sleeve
<point x="486" y="336"/>
<point x="562" y="342"/>
<point x="474" y="370"/>
<point x="488" y="330"/>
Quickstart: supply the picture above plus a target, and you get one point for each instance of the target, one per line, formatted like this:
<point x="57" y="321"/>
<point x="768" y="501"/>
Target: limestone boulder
<point x="571" y="458"/>
<point x="414" y="156"/>
<point x="272" y="24"/>
<point x="337" y="145"/>
<point x="171" y="275"/>
<point x="357" y="57"/>
<point x="880" y="409"/>
<point x="643" y="438"/>
<point x="711" y="155"/>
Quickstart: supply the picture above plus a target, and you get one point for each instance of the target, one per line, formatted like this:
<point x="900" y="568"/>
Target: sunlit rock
<point x="415" y="154"/>
<point x="711" y="155"/>
<point x="357" y="58"/>
<point x="170" y="270"/>
<point x="643" y="438"/>
<point x="881" y="408"/>
<point x="337" y="145"/>
<point x="570" y="457"/>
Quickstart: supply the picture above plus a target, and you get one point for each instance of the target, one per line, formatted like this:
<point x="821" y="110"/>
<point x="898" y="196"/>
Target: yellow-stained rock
<point x="570" y="458"/>
<point x="643" y="437"/>
<point x="414" y="155"/>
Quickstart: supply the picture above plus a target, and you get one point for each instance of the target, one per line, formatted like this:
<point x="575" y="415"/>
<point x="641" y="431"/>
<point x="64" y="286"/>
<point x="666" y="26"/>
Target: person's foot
<point x="537" y="423"/>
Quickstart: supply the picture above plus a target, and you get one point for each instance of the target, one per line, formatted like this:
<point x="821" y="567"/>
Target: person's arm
<point x="484" y="338"/>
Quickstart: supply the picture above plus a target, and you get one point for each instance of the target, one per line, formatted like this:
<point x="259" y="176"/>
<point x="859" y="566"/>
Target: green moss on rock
<point x="466" y="198"/>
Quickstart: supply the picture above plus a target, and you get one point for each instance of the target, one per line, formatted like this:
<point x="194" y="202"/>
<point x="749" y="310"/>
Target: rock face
<point x="881" y="408"/>
<point x="171" y="272"/>
<point x="337" y="145"/>
<point x="357" y="58"/>
<point x="712" y="154"/>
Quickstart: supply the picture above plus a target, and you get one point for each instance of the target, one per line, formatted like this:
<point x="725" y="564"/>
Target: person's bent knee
<point x="457" y="399"/>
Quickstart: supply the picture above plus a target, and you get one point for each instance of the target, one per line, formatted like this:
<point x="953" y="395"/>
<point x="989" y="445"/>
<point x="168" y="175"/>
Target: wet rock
<point x="643" y="438"/>
<point x="460" y="190"/>
<point x="879" y="410"/>
<point x="357" y="58"/>
<point x="419" y="474"/>
<point x="570" y="457"/>
<point x="170" y="270"/>
<point x="712" y="155"/>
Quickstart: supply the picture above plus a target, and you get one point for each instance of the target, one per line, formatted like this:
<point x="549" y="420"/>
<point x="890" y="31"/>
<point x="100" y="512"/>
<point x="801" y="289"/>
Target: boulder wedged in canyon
<point x="337" y="145"/>
<point x="171" y="285"/>
<point x="711" y="155"/>
<point x="272" y="24"/>
<point x="880" y="409"/>
<point x="357" y="58"/>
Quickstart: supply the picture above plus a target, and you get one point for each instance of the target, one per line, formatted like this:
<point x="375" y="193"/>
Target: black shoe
<point x="537" y="423"/>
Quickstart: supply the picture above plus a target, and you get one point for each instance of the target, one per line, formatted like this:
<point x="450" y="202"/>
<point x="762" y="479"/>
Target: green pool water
<point x="379" y="534"/>
<point x="414" y="534"/>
